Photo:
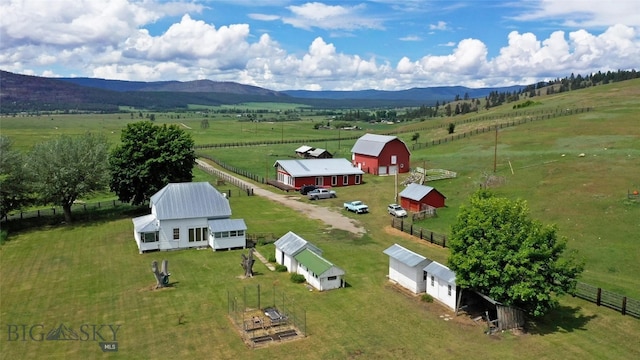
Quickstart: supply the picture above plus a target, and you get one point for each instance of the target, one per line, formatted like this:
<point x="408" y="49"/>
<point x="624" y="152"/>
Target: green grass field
<point x="91" y="272"/>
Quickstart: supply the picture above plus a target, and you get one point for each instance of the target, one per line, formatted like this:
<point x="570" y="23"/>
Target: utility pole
<point x="495" y="151"/>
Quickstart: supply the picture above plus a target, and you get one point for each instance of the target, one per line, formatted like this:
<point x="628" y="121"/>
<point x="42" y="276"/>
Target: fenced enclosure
<point x="264" y="317"/>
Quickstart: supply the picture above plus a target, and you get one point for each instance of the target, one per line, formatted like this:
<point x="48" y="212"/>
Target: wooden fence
<point x="423" y="234"/>
<point x="599" y="296"/>
<point x="57" y="210"/>
<point x="226" y="178"/>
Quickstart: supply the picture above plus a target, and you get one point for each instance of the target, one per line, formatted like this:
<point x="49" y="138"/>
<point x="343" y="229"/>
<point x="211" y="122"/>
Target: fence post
<point x="444" y="241"/>
<point x="411" y="229"/>
<point x="598" y="296"/>
<point x="624" y="305"/>
<point x="431" y="237"/>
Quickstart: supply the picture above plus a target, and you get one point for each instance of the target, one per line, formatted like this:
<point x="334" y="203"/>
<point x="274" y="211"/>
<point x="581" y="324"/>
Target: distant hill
<point x="425" y="95"/>
<point x="24" y="93"/>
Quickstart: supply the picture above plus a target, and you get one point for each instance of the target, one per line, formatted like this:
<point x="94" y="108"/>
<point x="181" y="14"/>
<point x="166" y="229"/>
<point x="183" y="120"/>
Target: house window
<point x="319" y="181"/>
<point x="149" y="237"/>
<point x="176" y="234"/>
<point x="334" y="180"/>
<point x="433" y="281"/>
<point x="357" y="179"/>
<point x="345" y="179"/>
<point x="330" y="278"/>
<point x="449" y="291"/>
<point x="394" y="159"/>
<point x="197" y="234"/>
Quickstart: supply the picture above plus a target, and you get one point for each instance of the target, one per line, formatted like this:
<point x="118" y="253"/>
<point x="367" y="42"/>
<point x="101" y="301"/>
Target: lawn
<point x="91" y="273"/>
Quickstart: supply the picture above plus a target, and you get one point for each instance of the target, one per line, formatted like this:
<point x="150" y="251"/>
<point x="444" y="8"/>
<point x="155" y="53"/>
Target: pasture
<point x="91" y="273"/>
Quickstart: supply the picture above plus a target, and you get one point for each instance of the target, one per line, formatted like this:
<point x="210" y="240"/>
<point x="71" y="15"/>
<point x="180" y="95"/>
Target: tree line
<point x="62" y="170"/>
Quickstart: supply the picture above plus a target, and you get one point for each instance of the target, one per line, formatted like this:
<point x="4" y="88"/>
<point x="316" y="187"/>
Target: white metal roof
<point x="146" y="223"/>
<point x="303" y="149"/>
<point x="318" y="167"/>
<point x="292" y="244"/>
<point x="371" y="144"/>
<point x="190" y="200"/>
<point x="219" y="225"/>
<point x="441" y="272"/>
<point x="405" y="255"/>
<point x="415" y="191"/>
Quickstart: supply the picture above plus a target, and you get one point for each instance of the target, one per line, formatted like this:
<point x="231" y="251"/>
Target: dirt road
<point x="332" y="218"/>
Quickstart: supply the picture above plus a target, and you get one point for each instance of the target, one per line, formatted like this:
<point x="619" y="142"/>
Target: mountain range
<point x="25" y="93"/>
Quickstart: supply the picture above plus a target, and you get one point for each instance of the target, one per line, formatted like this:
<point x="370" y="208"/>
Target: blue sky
<point x="321" y="45"/>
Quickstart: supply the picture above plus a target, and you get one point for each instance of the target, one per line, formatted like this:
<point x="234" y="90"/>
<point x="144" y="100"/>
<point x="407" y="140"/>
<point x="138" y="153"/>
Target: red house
<point x="416" y="197"/>
<point x="380" y="154"/>
<point x="319" y="172"/>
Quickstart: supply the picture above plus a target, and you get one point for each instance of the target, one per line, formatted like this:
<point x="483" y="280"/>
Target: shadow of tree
<point x="560" y="319"/>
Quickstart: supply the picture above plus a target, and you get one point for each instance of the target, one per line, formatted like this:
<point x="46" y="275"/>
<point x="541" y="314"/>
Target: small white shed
<point x="441" y="284"/>
<point x="406" y="268"/>
<point x="318" y="271"/>
<point x="290" y="245"/>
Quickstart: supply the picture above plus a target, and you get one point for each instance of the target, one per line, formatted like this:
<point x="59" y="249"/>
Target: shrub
<point x="297" y="278"/>
<point x="427" y="298"/>
<point x="272" y="258"/>
<point x="281" y="268"/>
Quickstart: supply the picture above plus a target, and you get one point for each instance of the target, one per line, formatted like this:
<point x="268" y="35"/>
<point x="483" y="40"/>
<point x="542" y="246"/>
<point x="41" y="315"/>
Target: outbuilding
<point x="416" y="197"/>
<point x="318" y="172"/>
<point x="188" y="215"/>
<point x="441" y="284"/>
<point x="302" y="257"/>
<point x="406" y="268"/>
<point x="381" y="154"/>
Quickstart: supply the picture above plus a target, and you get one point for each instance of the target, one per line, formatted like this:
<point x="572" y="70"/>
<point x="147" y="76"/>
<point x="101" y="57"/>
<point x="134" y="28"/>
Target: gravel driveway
<point x="330" y="217"/>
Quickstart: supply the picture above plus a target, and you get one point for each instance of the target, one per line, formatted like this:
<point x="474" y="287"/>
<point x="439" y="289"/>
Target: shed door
<point x="393" y="170"/>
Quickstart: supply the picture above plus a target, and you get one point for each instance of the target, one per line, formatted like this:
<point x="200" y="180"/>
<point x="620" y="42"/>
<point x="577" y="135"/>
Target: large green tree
<point x="14" y="180"/>
<point x="148" y="158"/>
<point x="498" y="250"/>
<point x="69" y="167"/>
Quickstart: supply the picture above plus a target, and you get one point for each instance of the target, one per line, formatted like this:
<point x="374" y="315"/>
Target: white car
<point x="396" y="210"/>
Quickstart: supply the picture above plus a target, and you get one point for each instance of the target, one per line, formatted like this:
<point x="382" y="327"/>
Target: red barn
<point x="416" y="197"/>
<point x="319" y="172"/>
<point x="380" y="154"/>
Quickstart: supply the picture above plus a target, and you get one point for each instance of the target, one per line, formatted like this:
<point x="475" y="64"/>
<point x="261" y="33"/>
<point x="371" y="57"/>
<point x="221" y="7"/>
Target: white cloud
<point x="441" y="25"/>
<point x="263" y="17"/>
<point x="411" y="38"/>
<point x="322" y="16"/>
<point x="589" y="13"/>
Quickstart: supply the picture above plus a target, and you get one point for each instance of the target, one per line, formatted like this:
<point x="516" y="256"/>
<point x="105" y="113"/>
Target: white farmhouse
<point x="406" y="268"/>
<point x="188" y="215"/>
<point x="441" y="284"/>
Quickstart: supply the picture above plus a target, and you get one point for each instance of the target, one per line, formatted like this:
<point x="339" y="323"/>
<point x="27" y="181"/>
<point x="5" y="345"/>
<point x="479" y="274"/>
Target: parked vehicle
<point x="304" y="190"/>
<point x="356" y="206"/>
<point x="321" y="194"/>
<point x="396" y="210"/>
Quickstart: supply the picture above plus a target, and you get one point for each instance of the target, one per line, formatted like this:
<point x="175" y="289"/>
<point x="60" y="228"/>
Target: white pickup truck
<point x="321" y="194"/>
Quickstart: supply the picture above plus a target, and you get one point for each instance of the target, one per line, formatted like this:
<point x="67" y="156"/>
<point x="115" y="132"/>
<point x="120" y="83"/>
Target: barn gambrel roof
<point x="318" y="167"/>
<point x="441" y="272"/>
<point x="372" y="144"/>
<point x="405" y="255"/>
<point x="190" y="200"/>
<point x="291" y="244"/>
<point x="417" y="192"/>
